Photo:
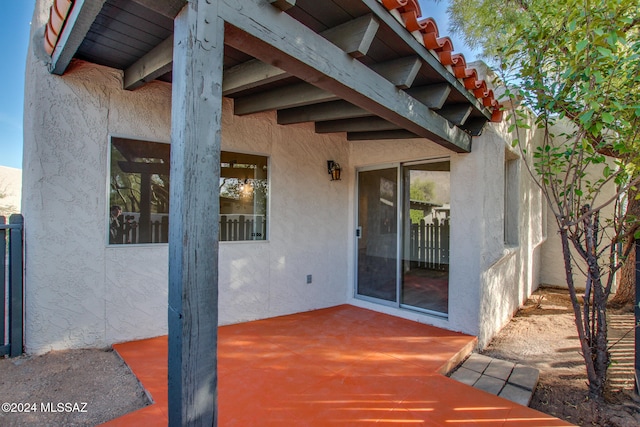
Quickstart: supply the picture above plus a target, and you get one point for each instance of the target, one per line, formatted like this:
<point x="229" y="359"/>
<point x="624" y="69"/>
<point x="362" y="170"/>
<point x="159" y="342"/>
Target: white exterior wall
<point x="554" y="273"/>
<point x="510" y="271"/>
<point x="80" y="292"/>
<point x="488" y="280"/>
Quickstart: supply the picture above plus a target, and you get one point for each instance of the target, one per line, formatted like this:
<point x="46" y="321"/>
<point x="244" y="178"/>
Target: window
<point x="243" y="197"/>
<point x="139" y="194"/>
<point x="511" y="196"/>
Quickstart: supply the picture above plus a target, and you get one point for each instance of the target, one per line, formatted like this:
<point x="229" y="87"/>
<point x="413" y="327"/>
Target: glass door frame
<point x="377" y="167"/>
<point x="400" y="222"/>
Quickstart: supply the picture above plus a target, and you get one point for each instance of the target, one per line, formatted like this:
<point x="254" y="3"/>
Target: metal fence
<point x="12" y="279"/>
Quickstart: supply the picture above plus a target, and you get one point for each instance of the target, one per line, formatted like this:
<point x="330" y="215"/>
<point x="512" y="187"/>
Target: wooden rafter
<point x="334" y="110"/>
<point x="313" y="59"/>
<point x="361" y="124"/>
<point x="296" y="95"/>
<point x="151" y="66"/>
<point x="385" y="134"/>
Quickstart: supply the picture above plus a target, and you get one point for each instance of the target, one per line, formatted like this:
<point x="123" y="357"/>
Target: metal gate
<point x="12" y="279"/>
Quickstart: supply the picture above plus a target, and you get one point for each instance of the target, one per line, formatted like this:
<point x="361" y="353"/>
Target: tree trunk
<point x="590" y="316"/>
<point x="626" y="293"/>
<point x="583" y="334"/>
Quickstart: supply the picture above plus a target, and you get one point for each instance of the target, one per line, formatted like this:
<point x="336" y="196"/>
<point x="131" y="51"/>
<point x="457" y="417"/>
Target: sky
<point x="14" y="40"/>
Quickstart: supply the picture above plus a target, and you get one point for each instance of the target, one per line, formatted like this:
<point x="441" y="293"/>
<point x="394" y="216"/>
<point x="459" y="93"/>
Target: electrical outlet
<point x="309" y="278"/>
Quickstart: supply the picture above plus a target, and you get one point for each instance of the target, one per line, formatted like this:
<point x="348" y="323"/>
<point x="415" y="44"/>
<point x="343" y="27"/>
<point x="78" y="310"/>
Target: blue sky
<point x="14" y="40"/>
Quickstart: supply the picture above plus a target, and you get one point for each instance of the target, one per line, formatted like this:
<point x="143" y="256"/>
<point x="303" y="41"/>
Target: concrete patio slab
<point x="525" y="377"/>
<point x="466" y="376"/>
<point x="516" y="394"/>
<point x="500" y="369"/>
<point x="477" y="362"/>
<point x="342" y="366"/>
<point x="489" y="384"/>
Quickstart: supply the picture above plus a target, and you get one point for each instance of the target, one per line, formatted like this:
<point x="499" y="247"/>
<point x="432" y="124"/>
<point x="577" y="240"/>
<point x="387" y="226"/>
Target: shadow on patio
<point x="337" y="366"/>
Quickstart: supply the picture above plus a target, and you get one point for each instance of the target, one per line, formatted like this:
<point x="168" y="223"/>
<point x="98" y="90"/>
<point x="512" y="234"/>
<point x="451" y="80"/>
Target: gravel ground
<point x="67" y="388"/>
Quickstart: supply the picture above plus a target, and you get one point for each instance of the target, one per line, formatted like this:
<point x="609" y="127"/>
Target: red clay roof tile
<point x="410" y="13"/>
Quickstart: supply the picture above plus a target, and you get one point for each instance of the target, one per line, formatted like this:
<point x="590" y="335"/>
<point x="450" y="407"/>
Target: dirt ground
<point x="67" y="388"/>
<point x="541" y="335"/>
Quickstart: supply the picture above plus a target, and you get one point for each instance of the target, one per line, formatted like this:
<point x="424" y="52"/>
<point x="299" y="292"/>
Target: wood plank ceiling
<point x="136" y="36"/>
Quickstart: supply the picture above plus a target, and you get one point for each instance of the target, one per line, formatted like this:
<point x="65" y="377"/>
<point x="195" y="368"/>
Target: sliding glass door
<point x="407" y="268"/>
<point x="378" y="234"/>
<point x="425" y="237"/>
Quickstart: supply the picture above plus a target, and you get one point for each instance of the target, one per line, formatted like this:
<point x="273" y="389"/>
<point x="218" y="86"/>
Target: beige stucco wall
<point x="82" y="293"/>
<point x="553" y="272"/>
<point x="488" y="279"/>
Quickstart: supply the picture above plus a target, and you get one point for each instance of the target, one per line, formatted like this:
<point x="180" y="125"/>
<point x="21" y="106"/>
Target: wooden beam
<point x="475" y="125"/>
<point x="296" y="95"/>
<point x="354" y="37"/>
<point x="401" y="72"/>
<point x="283" y="4"/>
<point x="249" y="75"/>
<point x="262" y="32"/>
<point x="321" y="112"/>
<point x="196" y="111"/>
<point x="456" y="113"/>
<point x="362" y="124"/>
<point x="168" y="8"/>
<point x="433" y="96"/>
<point x="151" y="66"/>
<point x="77" y="25"/>
<point x="387" y="134"/>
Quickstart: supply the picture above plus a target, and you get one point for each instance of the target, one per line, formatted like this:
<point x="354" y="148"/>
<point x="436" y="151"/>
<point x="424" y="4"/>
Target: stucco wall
<point x="488" y="279"/>
<point x="82" y="293"/>
<point x="553" y="271"/>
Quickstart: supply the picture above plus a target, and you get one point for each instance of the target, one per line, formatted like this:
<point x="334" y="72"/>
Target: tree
<point x="424" y="191"/>
<point x="573" y="73"/>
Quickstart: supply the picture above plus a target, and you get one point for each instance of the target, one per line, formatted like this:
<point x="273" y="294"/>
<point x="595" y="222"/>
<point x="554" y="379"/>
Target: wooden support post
<point x="196" y="111"/>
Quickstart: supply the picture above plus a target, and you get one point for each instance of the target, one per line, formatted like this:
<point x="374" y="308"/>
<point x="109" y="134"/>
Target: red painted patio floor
<point x="342" y="366"/>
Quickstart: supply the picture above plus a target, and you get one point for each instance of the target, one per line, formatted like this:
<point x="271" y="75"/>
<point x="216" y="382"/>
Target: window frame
<point x="267" y="191"/>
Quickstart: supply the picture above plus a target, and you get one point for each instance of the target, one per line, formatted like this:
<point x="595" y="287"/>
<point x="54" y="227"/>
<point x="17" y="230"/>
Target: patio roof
<point x="338" y="366"/>
<point x="390" y="74"/>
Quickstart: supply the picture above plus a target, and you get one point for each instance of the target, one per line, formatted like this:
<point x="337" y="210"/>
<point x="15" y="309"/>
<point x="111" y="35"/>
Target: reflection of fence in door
<point x="429" y="245"/>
